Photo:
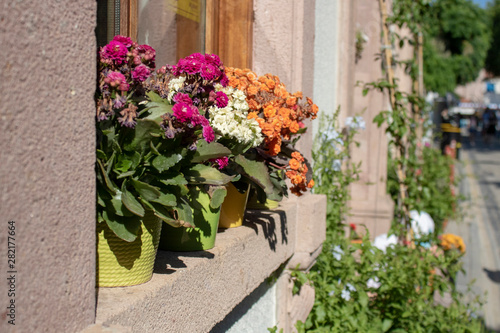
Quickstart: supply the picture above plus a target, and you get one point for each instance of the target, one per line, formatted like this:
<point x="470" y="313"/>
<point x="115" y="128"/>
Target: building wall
<point x="47" y="80"/>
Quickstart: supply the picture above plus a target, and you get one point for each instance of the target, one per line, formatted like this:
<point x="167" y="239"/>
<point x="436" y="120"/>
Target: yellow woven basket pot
<point x="233" y="208"/>
<point x="120" y="263"/>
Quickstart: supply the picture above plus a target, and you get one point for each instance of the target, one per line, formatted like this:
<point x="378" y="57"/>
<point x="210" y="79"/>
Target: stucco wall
<point x="47" y="80"/>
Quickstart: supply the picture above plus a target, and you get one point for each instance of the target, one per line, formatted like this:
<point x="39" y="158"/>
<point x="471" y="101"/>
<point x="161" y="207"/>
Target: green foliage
<point x="332" y="170"/>
<point x="359" y="288"/>
<point x="492" y="63"/>
<point x="433" y="193"/>
<point x="457" y="38"/>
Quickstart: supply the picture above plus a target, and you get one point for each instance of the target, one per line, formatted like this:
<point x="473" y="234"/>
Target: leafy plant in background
<point x="434" y="191"/>
<point x="360" y="288"/>
<point x="333" y="170"/>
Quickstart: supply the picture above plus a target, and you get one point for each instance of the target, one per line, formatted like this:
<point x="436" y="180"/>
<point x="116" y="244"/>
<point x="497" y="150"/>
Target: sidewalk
<point x="479" y="229"/>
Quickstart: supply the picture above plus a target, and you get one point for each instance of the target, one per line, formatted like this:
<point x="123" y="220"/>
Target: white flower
<point x="331" y="293"/>
<point x="232" y="121"/>
<point x="337" y="252"/>
<point x="383" y="241"/>
<point x="174" y="85"/>
<point x="337" y="164"/>
<point x="373" y="283"/>
<point x="355" y="123"/>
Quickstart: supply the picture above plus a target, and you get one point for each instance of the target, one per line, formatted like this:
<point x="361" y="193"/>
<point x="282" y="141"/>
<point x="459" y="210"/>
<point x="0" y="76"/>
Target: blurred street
<point x="480" y="227"/>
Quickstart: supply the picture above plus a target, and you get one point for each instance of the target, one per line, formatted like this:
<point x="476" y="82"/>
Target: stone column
<point x="370" y="205"/>
<point x="47" y="151"/>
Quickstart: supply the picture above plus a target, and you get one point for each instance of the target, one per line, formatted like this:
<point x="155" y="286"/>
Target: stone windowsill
<point x="193" y="291"/>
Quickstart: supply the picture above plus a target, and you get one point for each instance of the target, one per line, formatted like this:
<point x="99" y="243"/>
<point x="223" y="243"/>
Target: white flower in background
<point x="383" y="241"/>
<point x="373" y="283"/>
<point x="421" y="223"/>
<point x="232" y="121"/>
<point x="331" y="293"/>
<point x="174" y="85"/>
<point x="337" y="252"/>
<point x="355" y="123"/>
<point x="337" y="164"/>
<point x="346" y="292"/>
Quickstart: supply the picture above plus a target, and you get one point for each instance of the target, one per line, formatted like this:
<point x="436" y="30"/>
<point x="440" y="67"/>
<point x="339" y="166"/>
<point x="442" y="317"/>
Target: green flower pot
<point x="202" y="237"/>
<point x="121" y="263"/>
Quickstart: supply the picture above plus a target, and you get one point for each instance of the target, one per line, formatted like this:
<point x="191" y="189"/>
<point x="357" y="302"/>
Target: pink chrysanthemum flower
<point x="124" y="40"/>
<point x="209" y="72"/>
<point x="224" y="81"/>
<point x="117" y="80"/>
<point x="115" y="51"/>
<point x="208" y="133"/>
<point x="213" y="59"/>
<point x="183" y="112"/>
<point x="182" y="98"/>
<point x="222" y="162"/>
<point x="141" y="73"/>
<point x="221" y="99"/>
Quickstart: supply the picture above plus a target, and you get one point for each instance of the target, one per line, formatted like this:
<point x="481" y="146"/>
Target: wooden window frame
<point x="128" y="18"/>
<point x="229" y="31"/>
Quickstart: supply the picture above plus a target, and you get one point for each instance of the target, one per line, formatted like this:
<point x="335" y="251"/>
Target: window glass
<point x="174" y="28"/>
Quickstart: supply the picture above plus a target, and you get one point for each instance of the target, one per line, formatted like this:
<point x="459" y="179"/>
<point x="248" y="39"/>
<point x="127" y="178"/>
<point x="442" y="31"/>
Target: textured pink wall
<point x="47" y="80"/>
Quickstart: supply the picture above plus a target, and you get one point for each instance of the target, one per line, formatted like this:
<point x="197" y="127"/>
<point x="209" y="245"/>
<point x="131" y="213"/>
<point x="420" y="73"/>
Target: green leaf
<point x="139" y="139"/>
<point x="119" y="208"/>
<point x="132" y="204"/>
<point x="203" y="174"/>
<point x="111" y="187"/>
<point x="166" y="199"/>
<point x="162" y="163"/>
<point x="174" y="178"/>
<point x="217" y="196"/>
<point x="162" y="213"/>
<point x="257" y="172"/>
<point x="386" y="325"/>
<point x="158" y="107"/>
<point x="125" y="174"/>
<point x="146" y="191"/>
<point x="184" y="212"/>
<point x="126" y="228"/>
<point x="123" y="165"/>
<point x="207" y="151"/>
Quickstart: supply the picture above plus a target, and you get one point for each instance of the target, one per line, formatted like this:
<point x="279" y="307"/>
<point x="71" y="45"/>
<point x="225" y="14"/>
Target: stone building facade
<point x="47" y="80"/>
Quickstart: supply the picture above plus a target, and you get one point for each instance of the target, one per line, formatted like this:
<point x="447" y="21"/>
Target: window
<point x="177" y="28"/>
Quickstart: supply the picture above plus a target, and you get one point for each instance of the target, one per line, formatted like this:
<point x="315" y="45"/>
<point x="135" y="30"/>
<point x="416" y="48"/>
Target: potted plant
<point x="131" y="203"/>
<point x="280" y="116"/>
<point x="180" y="100"/>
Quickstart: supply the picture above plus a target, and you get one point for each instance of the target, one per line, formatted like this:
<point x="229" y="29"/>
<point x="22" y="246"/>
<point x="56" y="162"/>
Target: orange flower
<point x="238" y="72"/>
<point x="294" y="164"/>
<point x="297" y="179"/>
<point x="253" y="105"/>
<point x="294" y="127"/>
<point x="298" y="156"/>
<point x="252" y="115"/>
<point x="274" y="146"/>
<point x="291" y="101"/>
<point x="269" y="111"/>
<point x="252" y="90"/>
<point x="311" y="183"/>
<point x="267" y="129"/>
<point x="270" y="83"/>
<point x="234" y="81"/>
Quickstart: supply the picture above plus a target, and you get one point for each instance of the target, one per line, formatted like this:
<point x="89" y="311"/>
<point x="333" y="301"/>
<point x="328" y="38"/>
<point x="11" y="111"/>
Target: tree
<point x="456" y="43"/>
<point x="492" y="63"/>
